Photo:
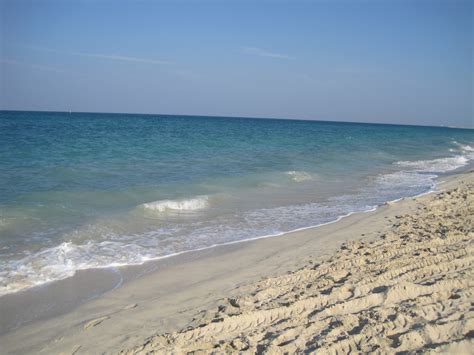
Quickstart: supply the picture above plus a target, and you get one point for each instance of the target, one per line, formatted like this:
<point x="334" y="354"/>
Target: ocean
<point x="87" y="190"/>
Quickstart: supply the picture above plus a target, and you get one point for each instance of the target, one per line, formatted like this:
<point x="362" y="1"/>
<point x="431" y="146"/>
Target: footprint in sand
<point x="95" y="322"/>
<point x="130" y="306"/>
<point x="74" y="350"/>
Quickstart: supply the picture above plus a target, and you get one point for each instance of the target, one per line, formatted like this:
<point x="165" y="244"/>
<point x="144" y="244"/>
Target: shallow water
<point x="88" y="190"/>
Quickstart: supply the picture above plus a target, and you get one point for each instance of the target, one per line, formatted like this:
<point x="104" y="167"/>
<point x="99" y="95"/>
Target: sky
<point x="384" y="61"/>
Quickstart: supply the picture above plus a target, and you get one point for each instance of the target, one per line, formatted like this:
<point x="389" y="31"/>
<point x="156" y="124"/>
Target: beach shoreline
<point x="181" y="286"/>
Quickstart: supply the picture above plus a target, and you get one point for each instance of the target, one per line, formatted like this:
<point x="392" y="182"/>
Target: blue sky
<point x="388" y="61"/>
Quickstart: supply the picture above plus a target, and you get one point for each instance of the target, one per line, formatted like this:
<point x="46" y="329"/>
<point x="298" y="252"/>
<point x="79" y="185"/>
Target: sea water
<point x="86" y="190"/>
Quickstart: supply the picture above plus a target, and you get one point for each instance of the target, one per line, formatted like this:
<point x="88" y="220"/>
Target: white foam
<point x="400" y="179"/>
<point x="299" y="176"/>
<point x="464" y="147"/>
<point x="64" y="260"/>
<point x="468" y="150"/>
<point x="440" y="165"/>
<point x="192" y="204"/>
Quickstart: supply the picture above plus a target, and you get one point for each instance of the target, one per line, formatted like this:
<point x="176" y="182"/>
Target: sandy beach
<point x="236" y="177"/>
<point x="409" y="290"/>
<point x="395" y="279"/>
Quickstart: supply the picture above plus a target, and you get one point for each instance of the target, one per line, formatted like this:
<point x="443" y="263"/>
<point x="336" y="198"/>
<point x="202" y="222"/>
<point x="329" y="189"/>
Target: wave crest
<point x="440" y="165"/>
<point x="192" y="204"/>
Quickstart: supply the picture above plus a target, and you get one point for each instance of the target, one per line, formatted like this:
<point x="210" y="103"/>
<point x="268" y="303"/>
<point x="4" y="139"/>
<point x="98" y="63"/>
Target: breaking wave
<point x="410" y="178"/>
<point x="442" y="165"/>
<point x="192" y="204"/>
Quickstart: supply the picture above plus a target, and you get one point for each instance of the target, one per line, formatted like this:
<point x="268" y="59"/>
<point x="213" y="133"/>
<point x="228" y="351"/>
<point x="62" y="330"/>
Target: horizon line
<point x="245" y="117"/>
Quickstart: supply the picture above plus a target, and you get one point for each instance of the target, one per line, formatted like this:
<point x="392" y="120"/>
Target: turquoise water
<point x="86" y="190"/>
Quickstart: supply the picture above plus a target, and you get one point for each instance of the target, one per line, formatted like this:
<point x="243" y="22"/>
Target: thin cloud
<point x="32" y="66"/>
<point x="121" y="58"/>
<point x="115" y="57"/>
<point x="264" y="53"/>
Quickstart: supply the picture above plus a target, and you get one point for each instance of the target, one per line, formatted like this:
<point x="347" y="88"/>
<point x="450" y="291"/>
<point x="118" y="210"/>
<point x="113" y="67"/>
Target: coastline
<point x="183" y="285"/>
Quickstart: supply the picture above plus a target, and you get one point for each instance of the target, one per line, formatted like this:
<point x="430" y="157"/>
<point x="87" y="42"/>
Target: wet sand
<point x="395" y="279"/>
